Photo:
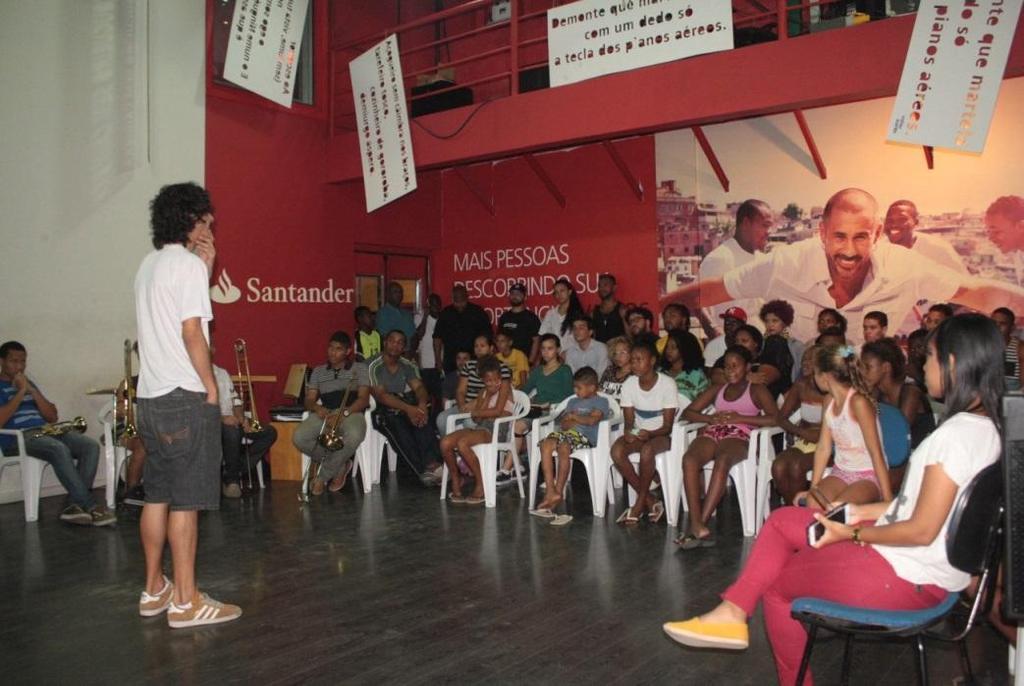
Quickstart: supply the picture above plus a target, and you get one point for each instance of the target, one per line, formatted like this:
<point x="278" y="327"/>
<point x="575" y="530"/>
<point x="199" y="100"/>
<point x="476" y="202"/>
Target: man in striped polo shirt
<point x="23" y="406"/>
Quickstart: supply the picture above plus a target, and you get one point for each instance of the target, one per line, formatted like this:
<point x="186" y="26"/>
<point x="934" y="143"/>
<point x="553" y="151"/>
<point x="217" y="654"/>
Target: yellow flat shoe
<point x="698" y="634"/>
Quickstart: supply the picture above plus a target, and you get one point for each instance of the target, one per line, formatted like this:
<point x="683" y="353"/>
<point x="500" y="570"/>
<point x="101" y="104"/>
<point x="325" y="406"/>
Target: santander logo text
<point x="226" y="292"/>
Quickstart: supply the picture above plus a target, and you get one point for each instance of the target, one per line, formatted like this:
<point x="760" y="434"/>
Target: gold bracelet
<point x="856" y="536"/>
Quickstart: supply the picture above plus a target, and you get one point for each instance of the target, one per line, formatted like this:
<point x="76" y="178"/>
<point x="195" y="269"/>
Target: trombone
<point x="130" y="431"/>
<point x="245" y="378"/>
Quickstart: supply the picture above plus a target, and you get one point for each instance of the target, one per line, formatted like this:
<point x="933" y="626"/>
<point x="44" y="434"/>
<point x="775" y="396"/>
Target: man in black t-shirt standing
<point x="457" y="327"/>
<point x="522" y="325"/>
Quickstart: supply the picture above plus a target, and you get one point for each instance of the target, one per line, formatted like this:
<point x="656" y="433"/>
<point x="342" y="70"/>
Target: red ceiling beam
<point x="487" y="202"/>
<point x="709" y="153"/>
<point x="929" y="156"/>
<point x="631" y="180"/>
<point x="545" y="178"/>
<point x="811" y="145"/>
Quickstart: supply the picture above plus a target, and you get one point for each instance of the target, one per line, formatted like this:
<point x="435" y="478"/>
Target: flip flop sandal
<point x="623" y="517"/>
<point x="543" y="513"/>
<point x="707" y="542"/>
<point x="657" y="512"/>
<point x="561" y="520"/>
<point x="688" y="542"/>
<point x="456" y="499"/>
<point x="634" y="520"/>
<point x="475" y="501"/>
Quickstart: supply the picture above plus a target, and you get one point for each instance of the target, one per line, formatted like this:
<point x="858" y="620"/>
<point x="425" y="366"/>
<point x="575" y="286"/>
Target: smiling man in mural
<point x="848" y="268"/>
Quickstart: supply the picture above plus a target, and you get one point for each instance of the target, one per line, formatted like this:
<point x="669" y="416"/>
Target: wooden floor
<point x="397" y="587"/>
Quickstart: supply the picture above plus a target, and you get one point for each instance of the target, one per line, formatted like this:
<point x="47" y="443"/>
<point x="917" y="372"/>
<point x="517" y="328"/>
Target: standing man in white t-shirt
<point x="423" y="344"/>
<point x="179" y="414"/>
<point x="753" y="223"/>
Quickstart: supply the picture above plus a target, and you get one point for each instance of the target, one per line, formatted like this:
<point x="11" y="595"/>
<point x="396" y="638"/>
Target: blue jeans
<point x="63" y="452"/>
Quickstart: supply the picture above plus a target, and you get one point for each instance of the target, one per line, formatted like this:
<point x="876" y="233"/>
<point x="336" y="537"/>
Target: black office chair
<point x="973" y="545"/>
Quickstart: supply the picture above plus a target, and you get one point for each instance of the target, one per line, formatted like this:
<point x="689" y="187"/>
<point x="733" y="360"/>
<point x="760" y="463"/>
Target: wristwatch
<point x="856" y="536"/>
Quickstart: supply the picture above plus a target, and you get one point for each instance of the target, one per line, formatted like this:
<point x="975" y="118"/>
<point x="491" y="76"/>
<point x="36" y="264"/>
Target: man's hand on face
<point x="203" y="247"/>
<point x="20" y="381"/>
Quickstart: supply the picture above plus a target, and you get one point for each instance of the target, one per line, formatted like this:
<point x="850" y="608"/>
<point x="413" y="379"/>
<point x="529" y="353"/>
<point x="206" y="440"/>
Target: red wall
<point x="603" y="227"/>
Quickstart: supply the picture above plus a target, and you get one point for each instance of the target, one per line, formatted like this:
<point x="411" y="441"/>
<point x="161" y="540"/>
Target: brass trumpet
<point x="245" y="378"/>
<point x="130" y="431"/>
<point x="59" y="428"/>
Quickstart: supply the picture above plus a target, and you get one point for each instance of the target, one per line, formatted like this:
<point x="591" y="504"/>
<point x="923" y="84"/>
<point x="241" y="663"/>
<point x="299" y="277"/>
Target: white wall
<point x="103" y="102"/>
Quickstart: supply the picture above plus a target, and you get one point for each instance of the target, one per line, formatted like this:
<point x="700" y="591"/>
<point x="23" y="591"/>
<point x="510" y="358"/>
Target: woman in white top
<point x="649" y="401"/>
<point x="558" y="320"/>
<point x="900" y="562"/>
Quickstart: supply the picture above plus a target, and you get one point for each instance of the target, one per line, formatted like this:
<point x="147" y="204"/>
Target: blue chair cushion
<point x="826" y="613"/>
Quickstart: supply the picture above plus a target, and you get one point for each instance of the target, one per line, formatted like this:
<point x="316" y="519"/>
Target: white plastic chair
<point x="744" y="474"/>
<point x="596" y="461"/>
<point x="766" y="455"/>
<point x="114" y="454"/>
<point x="490" y="453"/>
<point x="31" y="473"/>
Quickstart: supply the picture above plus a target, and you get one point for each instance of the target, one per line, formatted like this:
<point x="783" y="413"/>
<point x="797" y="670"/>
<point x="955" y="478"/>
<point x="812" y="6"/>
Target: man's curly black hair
<point x="175" y="210"/>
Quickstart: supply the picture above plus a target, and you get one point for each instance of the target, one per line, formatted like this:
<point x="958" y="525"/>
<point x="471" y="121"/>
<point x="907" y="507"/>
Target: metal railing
<point x="786" y="19"/>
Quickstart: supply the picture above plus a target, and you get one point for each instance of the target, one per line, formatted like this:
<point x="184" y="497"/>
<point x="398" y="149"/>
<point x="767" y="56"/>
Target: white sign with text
<point x="952" y="74"/>
<point x="382" y="123"/>
<point x="263" y="48"/>
<point x="591" y="38"/>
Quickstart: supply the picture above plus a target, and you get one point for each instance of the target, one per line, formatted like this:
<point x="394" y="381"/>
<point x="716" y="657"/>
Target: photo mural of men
<point x="848" y="268"/>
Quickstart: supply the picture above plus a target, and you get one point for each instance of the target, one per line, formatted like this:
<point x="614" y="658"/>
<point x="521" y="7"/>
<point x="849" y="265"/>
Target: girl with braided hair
<point x="850" y="423"/>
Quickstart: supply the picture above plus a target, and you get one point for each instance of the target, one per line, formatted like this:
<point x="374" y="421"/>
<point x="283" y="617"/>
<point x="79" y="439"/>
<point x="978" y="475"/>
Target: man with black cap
<point x="732" y="319"/>
<point x="521" y="324"/>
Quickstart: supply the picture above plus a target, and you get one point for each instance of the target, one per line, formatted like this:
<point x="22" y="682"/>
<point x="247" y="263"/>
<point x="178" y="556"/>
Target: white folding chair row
<point x="596" y="461"/>
<point x="490" y="454"/>
<point x="31" y="473"/>
<point x="367" y="458"/>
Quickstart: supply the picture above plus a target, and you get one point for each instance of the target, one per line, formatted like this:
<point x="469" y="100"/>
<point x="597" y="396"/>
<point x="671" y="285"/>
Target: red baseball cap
<point x="735" y="313"/>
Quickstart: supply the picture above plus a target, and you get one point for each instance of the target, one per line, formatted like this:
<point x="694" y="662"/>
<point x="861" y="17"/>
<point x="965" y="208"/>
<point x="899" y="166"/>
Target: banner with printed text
<point x="591" y="38"/>
<point x="389" y="171"/>
<point x="951" y="77"/>
<point x="263" y="53"/>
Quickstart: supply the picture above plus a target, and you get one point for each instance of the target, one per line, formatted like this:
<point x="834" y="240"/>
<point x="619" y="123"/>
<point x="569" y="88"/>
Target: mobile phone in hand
<point x="816" y="530"/>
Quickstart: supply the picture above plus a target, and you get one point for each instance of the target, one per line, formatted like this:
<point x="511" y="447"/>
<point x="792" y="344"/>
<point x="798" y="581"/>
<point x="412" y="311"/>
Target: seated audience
<point x="917" y="349"/>
<point x="511" y="357"/>
<point x="649" y="402"/>
<point x="340" y="385"/>
<point x="640" y="324"/>
<point x="368" y="339"/>
<point x="789" y="469"/>
<point x="830" y="318"/>
<point x="777" y="316"/>
<point x="884" y="372"/>
<point x="450" y="383"/>
<point x="242" y="447"/>
<point x="860" y="473"/>
<point x="558" y="319"/>
<point x="674" y="316"/>
<point x="521" y="324"/>
<point x="608" y="315"/>
<point x="683" y="362"/>
<point x="936" y="314"/>
<point x="577" y="429"/>
<point x="403" y="410"/>
<point x="584" y="351"/>
<point x="74" y="456"/>
<point x="1006" y="322"/>
<point x="831" y="336"/>
<point x="900" y="563"/>
<point x="470" y="383"/>
<point x="619" y="368"/>
<point x="771" y="363"/>
<point x="739" y="406"/>
<point x="548" y="384"/>
<point x="876" y="326"/>
<point x="732" y="319"/>
<point x="492" y="402"/>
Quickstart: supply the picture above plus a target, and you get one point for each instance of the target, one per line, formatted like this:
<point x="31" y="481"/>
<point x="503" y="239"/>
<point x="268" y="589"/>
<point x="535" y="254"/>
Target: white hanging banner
<point x="382" y="122"/>
<point x="591" y="38"/>
<point x="263" y="51"/>
<point x="952" y="74"/>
